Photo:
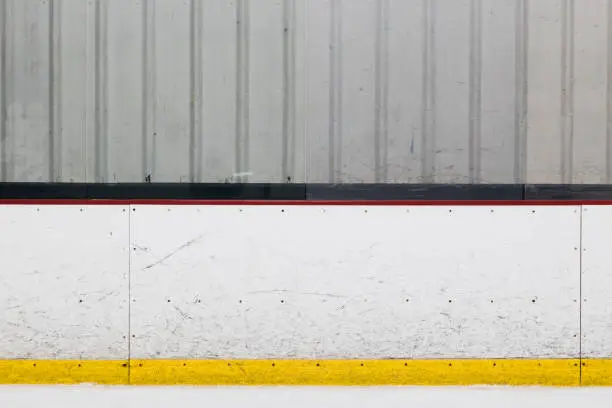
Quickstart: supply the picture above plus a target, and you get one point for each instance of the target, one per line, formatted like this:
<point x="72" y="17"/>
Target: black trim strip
<point x="304" y="192"/>
<point x="413" y="192"/>
<point x="568" y="192"/>
<point x="140" y="191"/>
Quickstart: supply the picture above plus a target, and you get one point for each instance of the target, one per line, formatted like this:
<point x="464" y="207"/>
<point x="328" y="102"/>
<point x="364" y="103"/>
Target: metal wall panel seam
<point x="609" y="98"/>
<point x="428" y="101"/>
<point x="3" y="86"/>
<point x="381" y="93"/>
<point x="88" y="141"/>
<point x="7" y="60"/>
<point x="196" y="104"/>
<point x="101" y="90"/>
<point x="521" y="89"/>
<point x="242" y="89"/>
<point x="335" y="92"/>
<point x="289" y="91"/>
<point x="567" y="90"/>
<point x="475" y="109"/>
<point x="55" y="90"/>
<point x="307" y="153"/>
<point x="149" y="90"/>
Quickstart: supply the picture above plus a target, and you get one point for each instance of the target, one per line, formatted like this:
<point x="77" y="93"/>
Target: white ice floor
<point x="275" y="397"/>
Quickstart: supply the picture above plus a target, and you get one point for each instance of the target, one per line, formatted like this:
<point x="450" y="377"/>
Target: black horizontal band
<point x="303" y="192"/>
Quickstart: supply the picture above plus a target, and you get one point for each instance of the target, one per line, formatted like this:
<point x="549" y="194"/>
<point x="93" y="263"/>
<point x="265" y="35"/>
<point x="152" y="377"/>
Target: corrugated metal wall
<point x="307" y="90"/>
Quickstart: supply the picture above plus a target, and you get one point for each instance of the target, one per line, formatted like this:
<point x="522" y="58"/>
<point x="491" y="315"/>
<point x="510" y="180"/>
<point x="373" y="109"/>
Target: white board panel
<point x="354" y="282"/>
<point x="596" y="282"/>
<point x="64" y="282"/>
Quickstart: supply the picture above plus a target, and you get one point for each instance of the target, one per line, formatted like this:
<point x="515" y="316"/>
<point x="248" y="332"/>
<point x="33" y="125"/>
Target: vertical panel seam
<point x="101" y="96"/>
<point x="149" y="79"/>
<point x="5" y="46"/>
<point x="51" y="96"/>
<point x="340" y="94"/>
<point x="288" y="137"/>
<point x="239" y="85"/>
<point x="609" y="98"/>
<point x="567" y="90"/>
<point x="89" y="101"/>
<point x="475" y="108"/>
<point x="335" y="93"/>
<point x="580" y="263"/>
<point x="242" y="90"/>
<point x="304" y="129"/>
<point x="428" y="102"/>
<point x="521" y="90"/>
<point x="381" y="93"/>
<point x="3" y="86"/>
<point x="247" y="88"/>
<point x="129" y="337"/>
<point x="55" y="88"/>
<point x="196" y="95"/>
<point x="332" y="91"/>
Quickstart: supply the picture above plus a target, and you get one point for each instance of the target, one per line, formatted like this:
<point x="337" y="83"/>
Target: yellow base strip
<point x="597" y="372"/>
<point x="355" y="372"/>
<point x="63" y="372"/>
<point x="562" y="372"/>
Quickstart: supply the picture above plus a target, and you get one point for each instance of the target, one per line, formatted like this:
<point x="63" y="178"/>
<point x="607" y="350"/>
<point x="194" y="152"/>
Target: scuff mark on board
<point x="176" y="251"/>
<point x="183" y="314"/>
<point x="279" y="291"/>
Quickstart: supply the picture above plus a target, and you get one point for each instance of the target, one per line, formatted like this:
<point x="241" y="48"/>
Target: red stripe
<point x="462" y="203"/>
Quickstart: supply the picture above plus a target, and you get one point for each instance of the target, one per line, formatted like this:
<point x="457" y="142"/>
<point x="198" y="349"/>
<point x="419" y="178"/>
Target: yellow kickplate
<point x="597" y="372"/>
<point x="355" y="372"/>
<point x="564" y="372"/>
<point x="63" y="372"/>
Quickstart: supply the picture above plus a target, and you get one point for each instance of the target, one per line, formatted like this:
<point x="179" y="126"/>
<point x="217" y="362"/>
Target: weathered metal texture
<point x="318" y="91"/>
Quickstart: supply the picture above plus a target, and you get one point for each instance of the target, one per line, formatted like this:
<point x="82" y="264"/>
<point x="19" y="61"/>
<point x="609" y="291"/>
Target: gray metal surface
<point x="318" y="91"/>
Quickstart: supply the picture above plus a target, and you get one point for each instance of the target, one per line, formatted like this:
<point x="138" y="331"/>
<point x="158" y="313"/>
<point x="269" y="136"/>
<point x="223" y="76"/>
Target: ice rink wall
<point x="316" y="91"/>
<point x="296" y="293"/>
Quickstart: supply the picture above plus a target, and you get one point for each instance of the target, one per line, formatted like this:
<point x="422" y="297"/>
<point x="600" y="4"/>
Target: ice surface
<point x="297" y="397"/>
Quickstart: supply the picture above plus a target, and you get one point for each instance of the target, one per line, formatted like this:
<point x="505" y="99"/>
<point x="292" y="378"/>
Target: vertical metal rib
<point x="381" y="93"/>
<point x="149" y="84"/>
<point x="609" y="100"/>
<point x="428" y="99"/>
<point x="55" y="89"/>
<point x="101" y="91"/>
<point x="475" y="111"/>
<point x="196" y="121"/>
<point x="521" y="90"/>
<point x="335" y="93"/>
<point x="3" y="89"/>
<point x="242" y="89"/>
<point x="567" y="90"/>
<point x="288" y="164"/>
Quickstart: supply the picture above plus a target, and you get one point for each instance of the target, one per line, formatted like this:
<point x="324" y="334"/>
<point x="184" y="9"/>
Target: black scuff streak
<point x="106" y="295"/>
<point x="183" y="314"/>
<point x="171" y="254"/>
<point x="279" y="291"/>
